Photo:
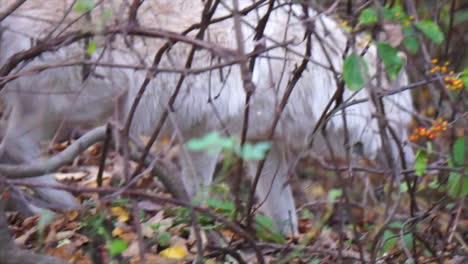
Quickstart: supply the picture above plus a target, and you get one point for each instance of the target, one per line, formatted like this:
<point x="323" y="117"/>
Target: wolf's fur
<point x="41" y="101"/>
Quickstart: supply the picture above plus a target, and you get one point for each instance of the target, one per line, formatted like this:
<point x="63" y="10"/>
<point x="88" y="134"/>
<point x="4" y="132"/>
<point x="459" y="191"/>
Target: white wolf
<point x="208" y="100"/>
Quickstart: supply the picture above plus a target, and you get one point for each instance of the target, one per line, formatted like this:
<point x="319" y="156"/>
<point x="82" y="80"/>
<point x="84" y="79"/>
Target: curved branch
<point x="63" y="158"/>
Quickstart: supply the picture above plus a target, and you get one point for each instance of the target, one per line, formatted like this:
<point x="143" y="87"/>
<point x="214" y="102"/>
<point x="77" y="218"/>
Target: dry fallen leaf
<point x="69" y="253"/>
<point x="147" y="231"/>
<point x="163" y="223"/>
<point x="61" y="146"/>
<point x="71" y="215"/>
<point x="24" y="238"/>
<point x="124" y="232"/>
<point x="29" y="222"/>
<point x="149" y="206"/>
<point x="117" y="231"/>
<point x="64" y="234"/>
<point x="121" y="213"/>
<point x="94" y="150"/>
<point x="70" y="176"/>
<point x="132" y="250"/>
<point x="91" y="180"/>
<point x="173" y="253"/>
<point x="155" y="259"/>
<point x="79" y="240"/>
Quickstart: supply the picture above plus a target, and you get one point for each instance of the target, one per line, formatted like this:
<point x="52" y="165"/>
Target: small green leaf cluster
<point x="396" y="14"/>
<point x="265" y="230"/>
<point x="355" y="69"/>
<point x="82" y="6"/>
<point x="94" y="225"/>
<point x="457" y="182"/>
<point x="214" y="142"/>
<point x="162" y="237"/>
<point x="393" y="236"/>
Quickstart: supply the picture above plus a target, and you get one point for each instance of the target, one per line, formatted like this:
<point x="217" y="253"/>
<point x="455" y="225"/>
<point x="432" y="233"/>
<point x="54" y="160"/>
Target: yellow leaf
<point x="121" y="214"/>
<point x="117" y="231"/>
<point x="174" y="253"/>
<point x="72" y="215"/>
<point x="124" y="232"/>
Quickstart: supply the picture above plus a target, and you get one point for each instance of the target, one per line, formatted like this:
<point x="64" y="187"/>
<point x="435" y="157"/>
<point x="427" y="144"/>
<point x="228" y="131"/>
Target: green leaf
<point x="208" y="141"/>
<point x="404" y="187"/>
<point x="334" y="193"/>
<point x="396" y="224"/>
<point x="387" y="13"/>
<point x="82" y="6"/>
<point x="225" y="206"/>
<point x="408" y="240"/>
<point x="429" y="147"/>
<point x="227" y="143"/>
<point x="101" y="231"/>
<point x="396" y="13"/>
<point x="92" y="47"/>
<point x="120" y="202"/>
<point x="256" y="151"/>
<point x="354" y="69"/>
<point x="306" y="214"/>
<point x="461" y="16"/>
<point x="389" y="240"/>
<point x="368" y="16"/>
<point x="390" y="58"/>
<point x="202" y="143"/>
<point x="45" y="218"/>
<point x="464" y="77"/>
<point x="117" y="246"/>
<point x="220" y="188"/>
<point x="450" y="206"/>
<point x="164" y="239"/>
<point x="459" y="152"/>
<point x="434" y="184"/>
<point x="420" y="163"/>
<point x="455" y="182"/>
<point x="212" y="142"/>
<point x="430" y="30"/>
<point x="264" y="230"/>
<point x="410" y="40"/>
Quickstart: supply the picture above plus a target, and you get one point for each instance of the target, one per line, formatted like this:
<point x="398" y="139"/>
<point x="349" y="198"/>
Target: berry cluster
<point x="343" y="24"/>
<point x="434" y="131"/>
<point x="452" y="82"/>
<point x="437" y="68"/>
